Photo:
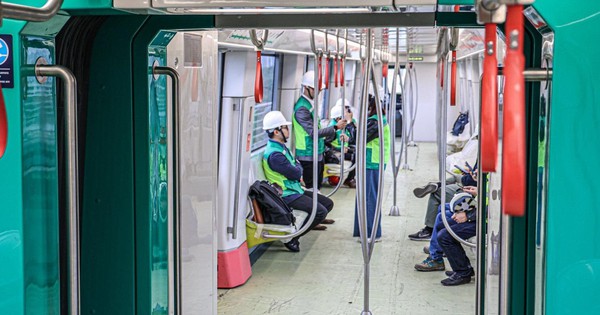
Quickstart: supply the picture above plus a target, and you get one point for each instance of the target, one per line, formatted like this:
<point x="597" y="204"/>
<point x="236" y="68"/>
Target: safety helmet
<point x="308" y="80"/>
<point x="336" y="112"/>
<point x="344" y="101"/>
<point x="274" y="119"/>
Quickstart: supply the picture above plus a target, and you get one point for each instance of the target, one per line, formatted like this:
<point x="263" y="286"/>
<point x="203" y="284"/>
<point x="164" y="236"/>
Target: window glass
<point x="269" y="70"/>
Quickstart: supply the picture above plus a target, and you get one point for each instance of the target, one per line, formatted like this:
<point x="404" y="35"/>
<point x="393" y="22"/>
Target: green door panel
<point x="11" y="192"/>
<point x="573" y="265"/>
<point x="40" y="183"/>
<point x="108" y="220"/>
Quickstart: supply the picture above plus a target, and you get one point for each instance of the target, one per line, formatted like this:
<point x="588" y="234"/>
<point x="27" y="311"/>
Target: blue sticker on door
<point x="6" y="62"/>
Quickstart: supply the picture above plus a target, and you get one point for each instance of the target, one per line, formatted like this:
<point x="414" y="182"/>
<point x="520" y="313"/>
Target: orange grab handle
<point x="514" y="146"/>
<point x="335" y="72"/>
<point x="384" y="70"/>
<point x="489" y="103"/>
<point x="327" y="72"/>
<point x="453" y="80"/>
<point x="258" y="80"/>
<point x="320" y="73"/>
<point x="342" y="79"/>
<point x="3" y="125"/>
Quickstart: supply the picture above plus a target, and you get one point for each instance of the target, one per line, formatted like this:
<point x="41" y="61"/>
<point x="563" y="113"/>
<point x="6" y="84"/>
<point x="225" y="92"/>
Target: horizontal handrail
<point x="32" y="14"/>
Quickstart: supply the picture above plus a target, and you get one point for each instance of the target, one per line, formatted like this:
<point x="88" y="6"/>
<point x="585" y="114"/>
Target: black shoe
<point x="423" y="235"/>
<point x="455" y="279"/>
<point x="421" y="192"/>
<point x="449" y="273"/>
<point x="293" y="245"/>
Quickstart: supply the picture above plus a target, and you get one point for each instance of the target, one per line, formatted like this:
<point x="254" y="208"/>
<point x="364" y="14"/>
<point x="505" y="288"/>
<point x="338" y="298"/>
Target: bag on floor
<point x="274" y="209"/>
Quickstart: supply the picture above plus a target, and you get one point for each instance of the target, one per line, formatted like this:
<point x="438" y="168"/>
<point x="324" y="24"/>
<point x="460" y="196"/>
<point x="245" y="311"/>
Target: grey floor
<point x="326" y="276"/>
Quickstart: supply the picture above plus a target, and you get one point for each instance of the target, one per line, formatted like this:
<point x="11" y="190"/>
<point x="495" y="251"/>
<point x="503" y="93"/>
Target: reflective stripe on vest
<point x="373" y="146"/>
<point x="289" y="186"/>
<point x="302" y="140"/>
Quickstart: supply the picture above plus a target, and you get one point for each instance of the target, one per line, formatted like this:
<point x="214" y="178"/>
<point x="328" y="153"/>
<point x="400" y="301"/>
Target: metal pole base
<point x="395" y="211"/>
<point x="406" y="167"/>
<point x="366" y="313"/>
<point x="412" y="144"/>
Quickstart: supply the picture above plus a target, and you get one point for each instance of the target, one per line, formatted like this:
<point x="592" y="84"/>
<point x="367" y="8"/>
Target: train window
<point x="259" y="137"/>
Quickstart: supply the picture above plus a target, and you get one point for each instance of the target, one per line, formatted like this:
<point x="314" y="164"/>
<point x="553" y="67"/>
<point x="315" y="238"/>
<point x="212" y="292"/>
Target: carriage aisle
<point x="325" y="277"/>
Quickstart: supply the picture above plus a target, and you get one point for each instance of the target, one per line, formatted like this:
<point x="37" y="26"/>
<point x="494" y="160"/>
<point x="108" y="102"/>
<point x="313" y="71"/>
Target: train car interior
<point x="136" y="142"/>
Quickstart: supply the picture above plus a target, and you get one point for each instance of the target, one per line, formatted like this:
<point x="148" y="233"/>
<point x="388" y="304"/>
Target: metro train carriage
<point x="162" y="157"/>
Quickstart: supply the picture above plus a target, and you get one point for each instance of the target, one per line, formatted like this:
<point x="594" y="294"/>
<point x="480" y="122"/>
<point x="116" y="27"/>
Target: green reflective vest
<point x="302" y="140"/>
<point x="337" y="143"/>
<point x="373" y="146"/>
<point x="289" y="186"/>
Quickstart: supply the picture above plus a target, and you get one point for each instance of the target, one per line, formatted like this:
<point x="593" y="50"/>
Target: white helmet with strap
<point x="308" y="80"/>
<point x="336" y="112"/>
<point x="274" y="119"/>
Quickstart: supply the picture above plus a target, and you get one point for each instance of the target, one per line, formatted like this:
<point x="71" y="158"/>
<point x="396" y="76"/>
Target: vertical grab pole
<point x="72" y="169"/>
<point x="406" y="98"/>
<point x="361" y="173"/>
<point x="395" y="210"/>
<point x="172" y="73"/>
<point x="381" y="163"/>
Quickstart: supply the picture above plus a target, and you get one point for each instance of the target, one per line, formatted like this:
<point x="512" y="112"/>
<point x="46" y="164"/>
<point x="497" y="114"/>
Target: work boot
<point x="431" y="265"/>
<point x="293" y="245"/>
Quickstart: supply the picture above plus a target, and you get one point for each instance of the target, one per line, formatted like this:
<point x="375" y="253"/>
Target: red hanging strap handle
<point x="320" y="72"/>
<point x="327" y="72"/>
<point x="342" y="79"/>
<point x="335" y="71"/>
<point x="384" y="69"/>
<point x="3" y="125"/>
<point x="258" y="79"/>
<point x="513" y="144"/>
<point x="489" y="102"/>
<point x="453" y="80"/>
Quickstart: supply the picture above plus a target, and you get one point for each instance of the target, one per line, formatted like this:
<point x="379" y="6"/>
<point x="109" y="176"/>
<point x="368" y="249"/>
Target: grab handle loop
<point x="3" y="125"/>
<point x="513" y="150"/>
<point x="489" y="102"/>
<point x="258" y="79"/>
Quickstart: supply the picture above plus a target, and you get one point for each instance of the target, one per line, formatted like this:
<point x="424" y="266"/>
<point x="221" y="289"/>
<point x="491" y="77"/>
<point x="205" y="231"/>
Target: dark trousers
<point x="307" y="173"/>
<point x="454" y="251"/>
<point x="351" y="157"/>
<point x="305" y="203"/>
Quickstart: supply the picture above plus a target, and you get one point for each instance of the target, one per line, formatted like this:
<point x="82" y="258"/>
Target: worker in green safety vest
<point x="337" y="113"/>
<point x="303" y="132"/>
<point x="282" y="169"/>
<point x="372" y="161"/>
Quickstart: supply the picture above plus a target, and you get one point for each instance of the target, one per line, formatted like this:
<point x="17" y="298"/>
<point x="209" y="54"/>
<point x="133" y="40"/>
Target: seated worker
<point x="435" y="199"/>
<point x="372" y="160"/>
<point x="335" y="145"/>
<point x="464" y="225"/>
<point x="282" y="169"/>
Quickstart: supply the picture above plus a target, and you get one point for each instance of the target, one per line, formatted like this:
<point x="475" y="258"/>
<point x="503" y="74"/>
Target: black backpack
<point x="459" y="125"/>
<point x="274" y="209"/>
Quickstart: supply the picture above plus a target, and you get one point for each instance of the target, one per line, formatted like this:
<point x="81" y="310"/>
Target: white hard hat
<point x="308" y="80"/>
<point x="274" y="119"/>
<point x="345" y="101"/>
<point x="336" y="111"/>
